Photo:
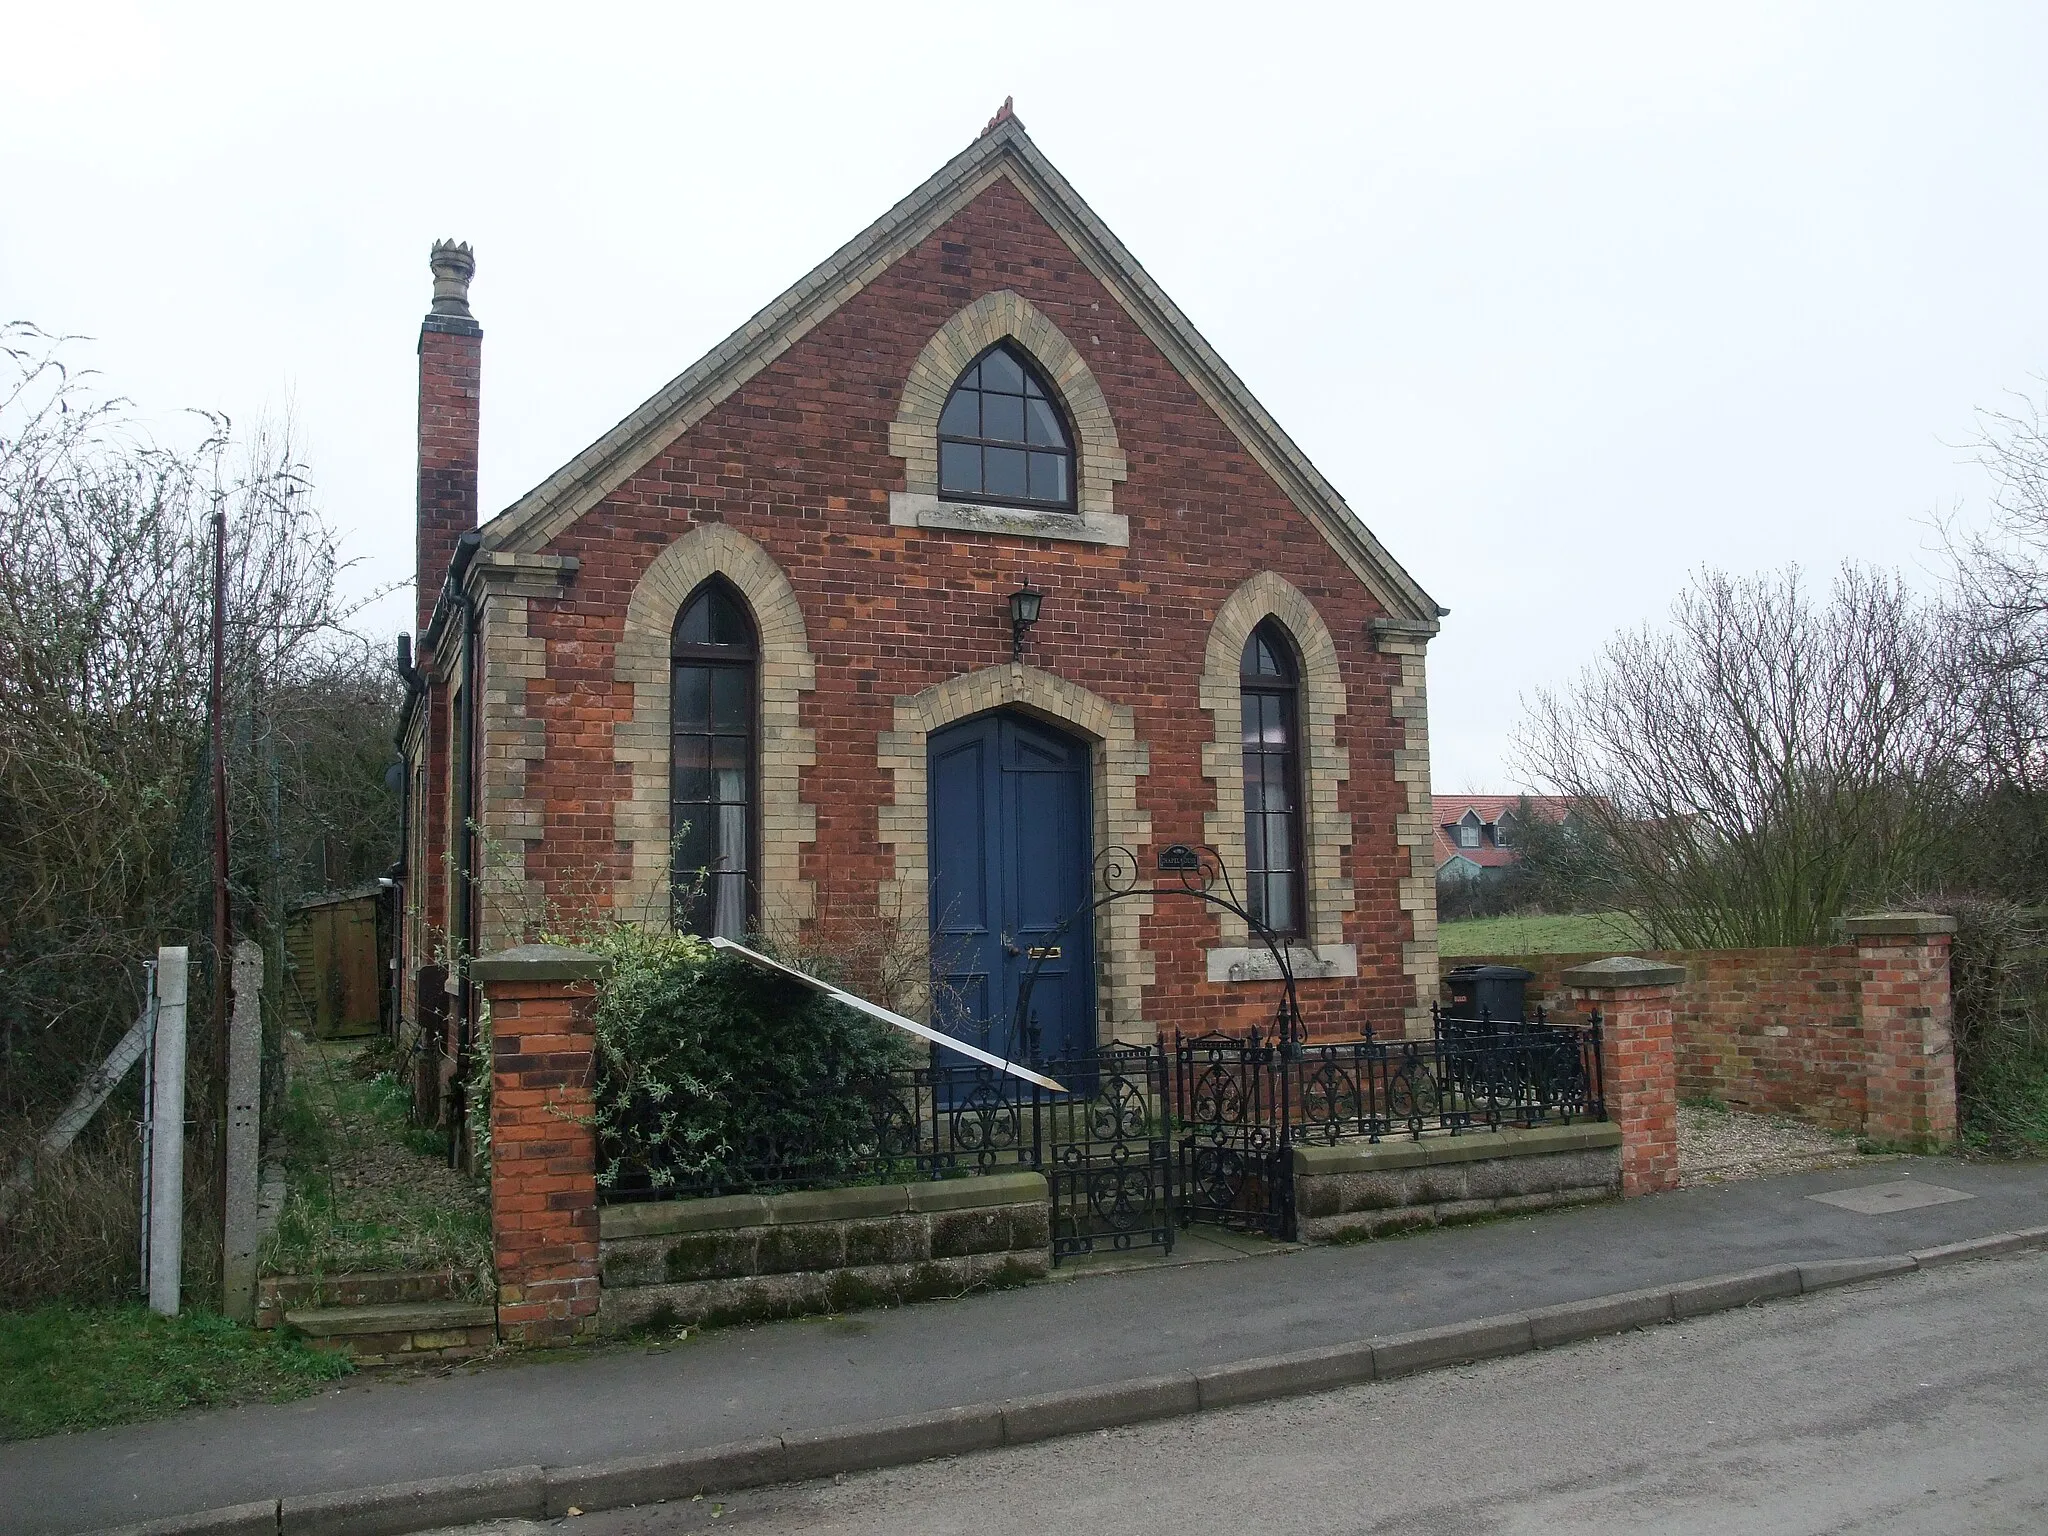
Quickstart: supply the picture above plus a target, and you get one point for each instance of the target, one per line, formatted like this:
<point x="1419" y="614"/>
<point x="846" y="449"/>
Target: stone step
<point x="400" y="1333"/>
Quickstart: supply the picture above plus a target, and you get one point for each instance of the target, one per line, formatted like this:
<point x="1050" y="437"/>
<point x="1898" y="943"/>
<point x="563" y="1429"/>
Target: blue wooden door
<point x="1010" y="837"/>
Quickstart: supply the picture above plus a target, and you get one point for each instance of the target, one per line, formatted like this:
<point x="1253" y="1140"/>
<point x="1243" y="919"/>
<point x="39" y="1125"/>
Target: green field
<point x="1537" y="934"/>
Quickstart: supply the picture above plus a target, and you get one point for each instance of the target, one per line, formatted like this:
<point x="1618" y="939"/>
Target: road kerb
<point x="1116" y="1403"/>
<point x="396" y="1509"/>
<point x="1291" y="1375"/>
<point x="1425" y="1349"/>
<point x="665" y="1475"/>
<point x="255" y="1519"/>
<point x="1720" y="1293"/>
<point x="1574" y="1320"/>
<point x="1983" y="1247"/>
<point x="1825" y="1274"/>
<point x="892" y="1442"/>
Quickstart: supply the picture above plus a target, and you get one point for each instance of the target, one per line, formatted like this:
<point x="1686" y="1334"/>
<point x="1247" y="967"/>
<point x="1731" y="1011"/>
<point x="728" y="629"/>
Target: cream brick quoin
<point x="914" y="434"/>
<point x="1117" y="759"/>
<point x="642" y="743"/>
<point x="1324" y="766"/>
<point x="1414" y="826"/>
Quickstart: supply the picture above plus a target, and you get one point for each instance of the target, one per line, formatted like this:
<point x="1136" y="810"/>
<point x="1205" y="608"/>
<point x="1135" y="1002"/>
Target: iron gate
<point x="1232" y="1107"/>
<point x="1108" y="1152"/>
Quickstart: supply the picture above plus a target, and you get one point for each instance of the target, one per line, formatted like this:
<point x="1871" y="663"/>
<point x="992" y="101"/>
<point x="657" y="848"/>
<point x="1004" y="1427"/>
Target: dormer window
<point x="1468" y="831"/>
<point x="1503" y="830"/>
<point x="1002" y="437"/>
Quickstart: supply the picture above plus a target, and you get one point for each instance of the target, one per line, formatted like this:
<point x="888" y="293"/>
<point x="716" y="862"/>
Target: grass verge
<point x="1568" y="933"/>
<point x="66" y="1368"/>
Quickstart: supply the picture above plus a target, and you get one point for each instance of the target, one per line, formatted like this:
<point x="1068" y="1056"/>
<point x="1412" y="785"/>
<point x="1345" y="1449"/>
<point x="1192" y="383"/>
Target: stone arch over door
<point x="1324" y="766"/>
<point x="642" y="664"/>
<point x="1117" y="759"/>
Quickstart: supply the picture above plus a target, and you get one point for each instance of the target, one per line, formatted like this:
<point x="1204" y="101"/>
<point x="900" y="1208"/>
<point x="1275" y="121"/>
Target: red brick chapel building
<point x="754" y="661"/>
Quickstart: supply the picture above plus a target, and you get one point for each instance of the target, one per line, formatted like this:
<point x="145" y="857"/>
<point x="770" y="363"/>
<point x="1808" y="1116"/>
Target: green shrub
<point x="714" y="1077"/>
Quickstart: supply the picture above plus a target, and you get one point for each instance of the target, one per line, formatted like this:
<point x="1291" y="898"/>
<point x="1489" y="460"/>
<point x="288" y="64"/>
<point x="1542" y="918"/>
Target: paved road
<point x="1915" y="1405"/>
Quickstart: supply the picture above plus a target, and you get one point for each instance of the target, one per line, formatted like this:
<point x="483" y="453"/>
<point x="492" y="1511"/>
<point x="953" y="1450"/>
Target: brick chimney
<point x="451" y="362"/>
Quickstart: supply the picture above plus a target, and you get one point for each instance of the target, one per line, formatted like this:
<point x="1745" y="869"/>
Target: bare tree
<point x="105" y="583"/>
<point x="1766" y="762"/>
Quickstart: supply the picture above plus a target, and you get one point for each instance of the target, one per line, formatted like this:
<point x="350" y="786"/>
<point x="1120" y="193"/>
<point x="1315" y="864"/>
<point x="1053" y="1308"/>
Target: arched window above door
<point x="1003" y="437"/>
<point x="714" y="654"/>
<point x="1269" y="691"/>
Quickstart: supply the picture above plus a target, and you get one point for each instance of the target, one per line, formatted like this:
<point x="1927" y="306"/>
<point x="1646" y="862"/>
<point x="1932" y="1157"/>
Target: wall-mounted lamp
<point x="1023" y="614"/>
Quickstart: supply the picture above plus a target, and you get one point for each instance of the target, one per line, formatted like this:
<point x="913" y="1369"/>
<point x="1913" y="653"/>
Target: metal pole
<point x="245" y="1065"/>
<point x="167" y="1134"/>
<point x="148" y="1115"/>
<point x="217" y="708"/>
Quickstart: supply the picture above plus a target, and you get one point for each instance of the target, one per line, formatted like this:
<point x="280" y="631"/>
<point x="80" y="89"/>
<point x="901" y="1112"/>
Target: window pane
<point x="728" y="623"/>
<point x="1003" y="471"/>
<point x="1048" y="477"/>
<point x="729" y="697"/>
<point x="962" y="417"/>
<point x="999" y="370"/>
<point x="1254" y="842"/>
<point x="729" y="753"/>
<point x="1279" y="841"/>
<point x="960" y="468"/>
<point x="694" y="627"/>
<point x="1042" y="424"/>
<point x="1002" y="417"/>
<point x="732" y="838"/>
<point x="695" y="839"/>
<point x="1279" y="903"/>
<point x="690" y="780"/>
<point x="1276" y="721"/>
<point x="692" y="698"/>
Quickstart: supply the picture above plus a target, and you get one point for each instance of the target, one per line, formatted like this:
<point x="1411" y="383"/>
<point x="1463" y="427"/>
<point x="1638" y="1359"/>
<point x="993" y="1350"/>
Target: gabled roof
<point x="1003" y="151"/>
<point x="1452" y="809"/>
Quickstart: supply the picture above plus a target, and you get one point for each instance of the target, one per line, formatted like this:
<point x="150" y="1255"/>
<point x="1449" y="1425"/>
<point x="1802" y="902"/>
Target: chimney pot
<point x="454" y="264"/>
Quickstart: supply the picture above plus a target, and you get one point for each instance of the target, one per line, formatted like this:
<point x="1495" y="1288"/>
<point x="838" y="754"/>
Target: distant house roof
<point x="1452" y="809"/>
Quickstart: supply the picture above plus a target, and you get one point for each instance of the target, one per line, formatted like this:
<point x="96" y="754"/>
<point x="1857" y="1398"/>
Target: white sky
<point x="1566" y="301"/>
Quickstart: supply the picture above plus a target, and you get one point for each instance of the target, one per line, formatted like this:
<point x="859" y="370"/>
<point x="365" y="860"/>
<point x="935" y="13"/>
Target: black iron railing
<point x="1472" y="1074"/>
<point x="1102" y="1145"/>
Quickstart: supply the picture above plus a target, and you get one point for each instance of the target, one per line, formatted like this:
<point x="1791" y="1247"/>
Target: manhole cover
<point x="1898" y="1195"/>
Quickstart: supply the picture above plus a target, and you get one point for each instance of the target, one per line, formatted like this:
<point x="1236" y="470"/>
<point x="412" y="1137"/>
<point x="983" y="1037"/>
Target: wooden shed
<point x="337" y="949"/>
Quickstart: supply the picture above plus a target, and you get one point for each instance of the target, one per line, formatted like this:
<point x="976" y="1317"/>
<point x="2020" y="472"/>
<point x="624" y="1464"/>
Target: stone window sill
<point x="921" y="509"/>
<point x="1256" y="963"/>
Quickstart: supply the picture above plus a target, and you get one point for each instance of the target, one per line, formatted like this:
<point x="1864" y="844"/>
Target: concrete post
<point x="167" y="1134"/>
<point x="543" y="1149"/>
<point x="1638" y="1062"/>
<point x="245" y="1110"/>
<point x="1909" y="1084"/>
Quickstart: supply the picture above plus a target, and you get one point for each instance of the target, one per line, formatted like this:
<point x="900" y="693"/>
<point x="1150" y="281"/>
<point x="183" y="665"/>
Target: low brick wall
<point x="745" y="1257"/>
<point x="1777" y="1030"/>
<point x="1370" y="1189"/>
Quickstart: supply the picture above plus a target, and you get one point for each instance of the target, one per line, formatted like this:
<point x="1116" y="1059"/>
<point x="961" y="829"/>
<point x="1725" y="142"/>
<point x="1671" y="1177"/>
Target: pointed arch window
<point x="1270" y="696"/>
<point x="713" y="734"/>
<point x="1003" y="437"/>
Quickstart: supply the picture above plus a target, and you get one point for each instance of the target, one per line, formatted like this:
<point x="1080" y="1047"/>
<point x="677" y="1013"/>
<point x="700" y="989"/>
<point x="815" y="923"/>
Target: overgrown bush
<point x="2000" y="978"/>
<point x="716" y="1078"/>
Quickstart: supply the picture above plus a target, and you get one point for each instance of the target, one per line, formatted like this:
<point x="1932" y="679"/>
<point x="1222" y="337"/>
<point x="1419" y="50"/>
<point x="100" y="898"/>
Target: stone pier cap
<point x="1879" y="925"/>
<point x="539" y="962"/>
<point x="1620" y="971"/>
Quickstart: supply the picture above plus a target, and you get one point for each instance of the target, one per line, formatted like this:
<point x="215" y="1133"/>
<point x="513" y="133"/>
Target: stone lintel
<point x="1618" y="972"/>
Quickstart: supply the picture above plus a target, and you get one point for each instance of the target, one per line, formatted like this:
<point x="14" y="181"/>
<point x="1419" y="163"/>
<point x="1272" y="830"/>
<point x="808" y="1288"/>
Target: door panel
<point x="1010" y="858"/>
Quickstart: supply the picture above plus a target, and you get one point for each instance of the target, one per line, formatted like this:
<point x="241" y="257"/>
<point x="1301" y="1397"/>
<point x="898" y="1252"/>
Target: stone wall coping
<point x="1872" y="925"/>
<point x="1619" y="971"/>
<point x="539" y="962"/>
<point x="1471" y="1147"/>
<point x="721" y="1213"/>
